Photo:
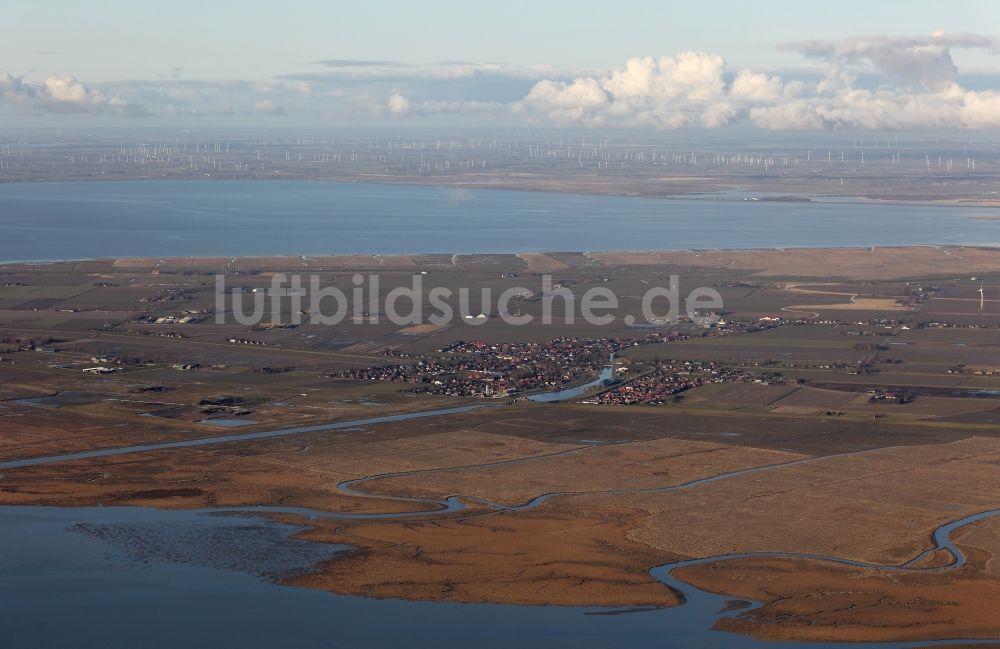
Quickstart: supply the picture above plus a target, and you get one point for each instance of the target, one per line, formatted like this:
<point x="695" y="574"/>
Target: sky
<point x="661" y="65"/>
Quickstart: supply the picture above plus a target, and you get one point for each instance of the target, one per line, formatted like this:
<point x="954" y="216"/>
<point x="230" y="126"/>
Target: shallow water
<point x="58" y="400"/>
<point x="47" y="221"/>
<point x="127" y="576"/>
<point x="228" y="423"/>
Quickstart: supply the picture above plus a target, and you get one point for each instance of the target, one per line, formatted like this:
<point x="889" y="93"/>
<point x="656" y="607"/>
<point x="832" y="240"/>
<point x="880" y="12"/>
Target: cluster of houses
<point x="986" y="324"/>
<point x="248" y="341"/>
<point x="889" y="394"/>
<point x="100" y="370"/>
<point x="185" y="318"/>
<point x="480" y="369"/>
<point x="655" y="388"/>
<point x="106" y="365"/>
<point x="169" y="294"/>
<point x="666" y="380"/>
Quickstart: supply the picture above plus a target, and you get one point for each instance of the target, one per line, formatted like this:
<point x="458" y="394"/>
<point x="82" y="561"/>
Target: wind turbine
<point x="981" y="297"/>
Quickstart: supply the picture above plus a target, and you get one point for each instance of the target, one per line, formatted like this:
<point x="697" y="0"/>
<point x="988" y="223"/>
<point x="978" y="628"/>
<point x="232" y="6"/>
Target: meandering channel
<point x="700" y="608"/>
<point x="706" y="606"/>
<point x="942" y="543"/>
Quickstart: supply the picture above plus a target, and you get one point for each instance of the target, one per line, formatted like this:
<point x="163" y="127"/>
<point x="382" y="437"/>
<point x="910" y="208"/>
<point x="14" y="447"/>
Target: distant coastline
<point x="718" y="191"/>
<point x="854" y="262"/>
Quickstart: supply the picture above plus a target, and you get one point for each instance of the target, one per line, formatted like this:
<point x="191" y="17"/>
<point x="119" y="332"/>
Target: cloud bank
<point x="62" y="94"/>
<point x="923" y="60"/>
<point x="399" y="106"/>
<point x="693" y="89"/>
<point x="874" y="82"/>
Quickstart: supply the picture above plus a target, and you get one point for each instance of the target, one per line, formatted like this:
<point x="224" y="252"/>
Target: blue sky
<point x="253" y="60"/>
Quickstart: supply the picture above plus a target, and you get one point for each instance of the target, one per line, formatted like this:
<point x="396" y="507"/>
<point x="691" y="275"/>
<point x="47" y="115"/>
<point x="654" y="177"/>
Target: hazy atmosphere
<point x="660" y="65"/>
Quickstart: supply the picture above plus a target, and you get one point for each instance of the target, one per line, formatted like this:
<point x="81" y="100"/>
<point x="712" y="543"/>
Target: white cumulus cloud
<point x="694" y="89"/>
<point x="61" y="94"/>
<point x="397" y="106"/>
<point x="268" y="107"/>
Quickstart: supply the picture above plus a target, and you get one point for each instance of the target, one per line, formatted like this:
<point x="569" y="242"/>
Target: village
<point x="479" y="369"/>
<point x="508" y="369"/>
